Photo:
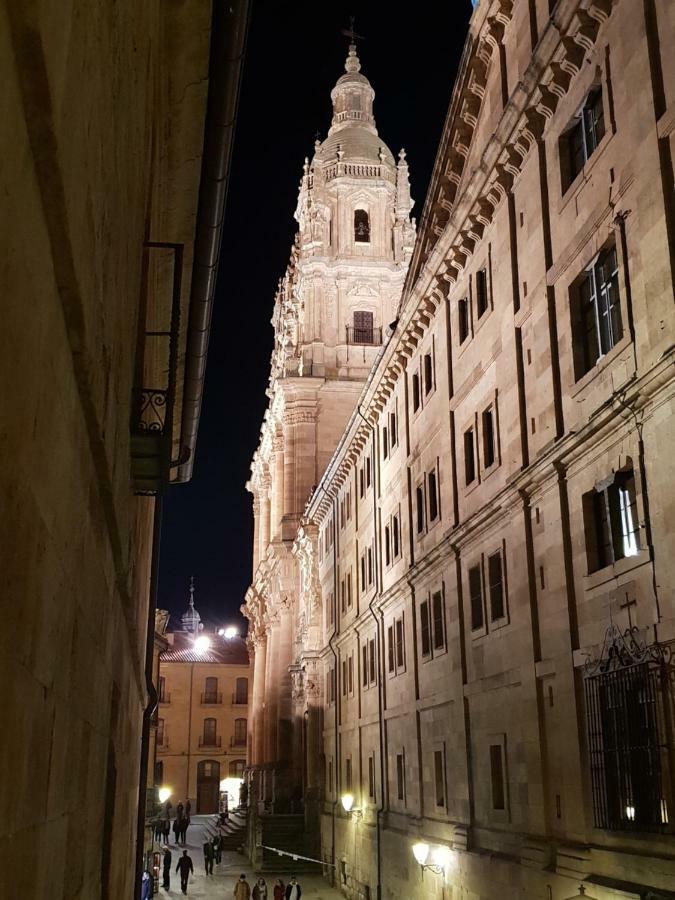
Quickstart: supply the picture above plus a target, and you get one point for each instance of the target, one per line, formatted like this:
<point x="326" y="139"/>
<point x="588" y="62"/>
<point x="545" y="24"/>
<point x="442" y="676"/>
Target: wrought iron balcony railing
<point x="211" y="698"/>
<point x="210" y="741"/>
<point x="364" y="336"/>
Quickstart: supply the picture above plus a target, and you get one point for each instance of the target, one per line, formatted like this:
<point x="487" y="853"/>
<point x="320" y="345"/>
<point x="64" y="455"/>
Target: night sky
<point x="294" y="56"/>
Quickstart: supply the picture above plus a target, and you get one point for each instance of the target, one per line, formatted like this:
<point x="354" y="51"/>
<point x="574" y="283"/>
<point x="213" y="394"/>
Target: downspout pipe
<point x="229" y="27"/>
<point x="149" y="710"/>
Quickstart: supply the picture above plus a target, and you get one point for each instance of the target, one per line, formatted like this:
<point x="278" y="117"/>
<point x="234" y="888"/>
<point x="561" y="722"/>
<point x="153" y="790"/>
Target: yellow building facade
<point x="202" y="723"/>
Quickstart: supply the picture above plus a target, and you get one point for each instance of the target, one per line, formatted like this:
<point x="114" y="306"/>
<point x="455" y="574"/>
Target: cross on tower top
<point x="350" y="33"/>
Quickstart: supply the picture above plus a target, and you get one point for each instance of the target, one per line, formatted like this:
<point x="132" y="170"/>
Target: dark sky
<point x="294" y="56"/>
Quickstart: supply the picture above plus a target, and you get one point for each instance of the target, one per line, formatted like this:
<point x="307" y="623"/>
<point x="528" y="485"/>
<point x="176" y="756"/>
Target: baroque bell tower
<point x="333" y="306"/>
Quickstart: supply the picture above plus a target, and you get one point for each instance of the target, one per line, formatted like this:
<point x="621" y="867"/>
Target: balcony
<point x="364" y="336"/>
<point x="238" y="741"/>
<point x="211" y="699"/>
<point x="210" y="741"/>
<point x="239" y="699"/>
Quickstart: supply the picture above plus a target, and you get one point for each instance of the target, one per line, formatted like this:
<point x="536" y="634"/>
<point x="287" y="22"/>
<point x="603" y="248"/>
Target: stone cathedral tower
<point x="333" y="306"/>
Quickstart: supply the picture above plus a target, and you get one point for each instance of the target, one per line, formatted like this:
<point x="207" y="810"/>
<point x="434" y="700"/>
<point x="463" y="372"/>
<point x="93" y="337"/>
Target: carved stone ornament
<point x="626" y="648"/>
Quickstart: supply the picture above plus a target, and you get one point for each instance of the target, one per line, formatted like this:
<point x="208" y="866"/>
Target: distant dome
<point x="356" y="144"/>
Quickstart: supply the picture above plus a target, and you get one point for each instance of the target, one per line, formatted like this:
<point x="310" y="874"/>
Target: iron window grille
<point x="598" y="322"/>
<point x="627" y="693"/>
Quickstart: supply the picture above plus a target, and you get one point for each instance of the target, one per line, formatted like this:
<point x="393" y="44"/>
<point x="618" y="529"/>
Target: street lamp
<point x="440" y="857"/>
<point x="164" y="794"/>
<point x="202" y="644"/>
<point x="347" y="801"/>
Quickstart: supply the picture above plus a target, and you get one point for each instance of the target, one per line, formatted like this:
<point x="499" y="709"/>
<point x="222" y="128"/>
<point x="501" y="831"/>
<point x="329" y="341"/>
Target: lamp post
<point x="347" y="801"/>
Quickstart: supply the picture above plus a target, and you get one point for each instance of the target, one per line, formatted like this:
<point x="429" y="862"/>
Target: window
<point x="350" y="673"/>
<point x="433" y="496"/>
<point x="370" y="566"/>
<point x="162" y="689"/>
<point x="368" y="662"/>
<point x="428" y="365"/>
<point x="210" y="690"/>
<point x="396" y="647"/>
<point x="368" y="477"/>
<point x="482" y="302"/>
<point x="596" y="313"/>
<point x="239" y="732"/>
<point x="344" y="677"/>
<point x="432" y="624"/>
<point x="416" y="392"/>
<point x="364" y="665"/>
<point x="489" y="449"/>
<point x="361" y="226"/>
<point x="241" y="691"/>
<point x="385" y="443"/>
<point x="158" y="773"/>
<point x="331" y="609"/>
<point x="581" y="140"/>
<point x="363" y="571"/>
<point x="371" y="777"/>
<point x="330" y="685"/>
<point x="612" y="529"/>
<point x="496" y="584"/>
<point x="362" y="331"/>
<point x="348" y="773"/>
<point x="160" y="732"/>
<point x="209" y="733"/>
<point x="463" y="319"/>
<point x="387" y="545"/>
<point x="497" y="777"/>
<point x="400" y="777"/>
<point x="237" y="767"/>
<point x="349" y="588"/>
<point x="396" y="536"/>
<point x="439" y="778"/>
<point x="438" y="620"/>
<point x="393" y="429"/>
<point x="626" y="743"/>
<point x="469" y="457"/>
<point x="329" y="776"/>
<point x="419" y="500"/>
<point x="476" y="598"/>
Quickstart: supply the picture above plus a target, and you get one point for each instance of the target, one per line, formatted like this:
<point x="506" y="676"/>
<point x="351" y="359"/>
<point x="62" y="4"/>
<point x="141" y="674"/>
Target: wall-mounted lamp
<point x="164" y="794"/>
<point x="347" y="801"/>
<point x="440" y="857"/>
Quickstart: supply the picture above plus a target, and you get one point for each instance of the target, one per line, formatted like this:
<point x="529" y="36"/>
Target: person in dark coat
<point x="176" y="830"/>
<point x="217" y="848"/>
<point x="166" y="873"/>
<point x="208" y="857"/>
<point x="158" y="829"/>
<point x="293" y="890"/>
<point x="166" y="825"/>
<point x="179" y="811"/>
<point x="183" y="829"/>
<point x="184" y="867"/>
<point x="188" y="809"/>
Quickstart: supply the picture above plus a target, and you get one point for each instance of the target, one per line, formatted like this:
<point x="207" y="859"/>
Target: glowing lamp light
<point x="421" y="852"/>
<point x="347" y="802"/>
<point x="630" y="813"/>
<point x="231" y="632"/>
<point x="441" y="857"/>
<point x="164" y="794"/>
<point x="202" y="644"/>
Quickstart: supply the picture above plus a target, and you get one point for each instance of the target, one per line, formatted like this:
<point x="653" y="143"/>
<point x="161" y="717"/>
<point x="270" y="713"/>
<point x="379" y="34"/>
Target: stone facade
<point x="334" y="304"/>
<point x="104" y="108"/>
<point x="202" y="726"/>
<point x="495" y="676"/>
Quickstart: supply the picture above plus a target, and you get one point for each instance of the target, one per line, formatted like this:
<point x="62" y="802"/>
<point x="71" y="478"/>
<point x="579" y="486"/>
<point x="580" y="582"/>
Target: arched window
<point x="361" y="226"/>
<point x="241" y="691"/>
<point x="363" y="332"/>
<point x="209" y="738"/>
<point x="210" y="690"/>
<point x="240" y="732"/>
<point x="237" y="767"/>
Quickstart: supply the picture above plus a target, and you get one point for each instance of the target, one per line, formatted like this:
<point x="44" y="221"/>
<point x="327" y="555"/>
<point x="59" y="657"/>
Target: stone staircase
<point x="286" y="832"/>
<point x="233" y="832"/>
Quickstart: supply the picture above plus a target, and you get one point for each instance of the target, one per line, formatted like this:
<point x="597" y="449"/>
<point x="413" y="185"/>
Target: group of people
<point x="290" y="891"/>
<point x="181" y="823"/>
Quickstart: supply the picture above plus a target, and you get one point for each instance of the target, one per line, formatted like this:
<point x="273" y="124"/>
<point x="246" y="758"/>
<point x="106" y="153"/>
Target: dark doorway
<point x="208" y="786"/>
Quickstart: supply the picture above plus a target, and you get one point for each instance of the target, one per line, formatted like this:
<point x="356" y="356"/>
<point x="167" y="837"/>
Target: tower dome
<point x="191" y="619"/>
<point x="353" y="133"/>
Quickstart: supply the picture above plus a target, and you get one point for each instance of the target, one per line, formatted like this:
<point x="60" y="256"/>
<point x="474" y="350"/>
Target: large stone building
<point x="481" y="583"/>
<point x="116" y="127"/>
<point x="202" y="724"/>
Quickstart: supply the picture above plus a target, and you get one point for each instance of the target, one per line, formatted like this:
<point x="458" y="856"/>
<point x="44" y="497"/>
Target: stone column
<point x="265" y="512"/>
<point x="271" y="703"/>
<point x="314" y="767"/>
<point x="278" y="488"/>
<point x="256" y="532"/>
<point x="258" y="700"/>
<point x="290" y="507"/>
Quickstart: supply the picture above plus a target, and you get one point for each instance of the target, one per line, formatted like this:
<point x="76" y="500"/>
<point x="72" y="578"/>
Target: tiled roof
<point x="222" y="650"/>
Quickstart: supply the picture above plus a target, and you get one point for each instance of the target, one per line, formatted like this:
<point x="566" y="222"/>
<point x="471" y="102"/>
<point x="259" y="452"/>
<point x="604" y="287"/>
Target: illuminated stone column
<point x="256" y="532"/>
<point x="265" y="513"/>
<point x="258" y="698"/>
<point x="277" y="487"/>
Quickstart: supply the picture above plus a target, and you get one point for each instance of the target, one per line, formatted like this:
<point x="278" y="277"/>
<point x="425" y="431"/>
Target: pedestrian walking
<point x="166" y="872"/>
<point x="242" y="889"/>
<point x="183" y="830"/>
<point x="166" y="831"/>
<point x="260" y="890"/>
<point x="293" y="890"/>
<point x="158" y="829"/>
<point x="217" y="848"/>
<point x="279" y="890"/>
<point x="179" y="811"/>
<point x="146" y="886"/>
<point x="208" y="857"/>
<point x="184" y="867"/>
<point x="176" y="830"/>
